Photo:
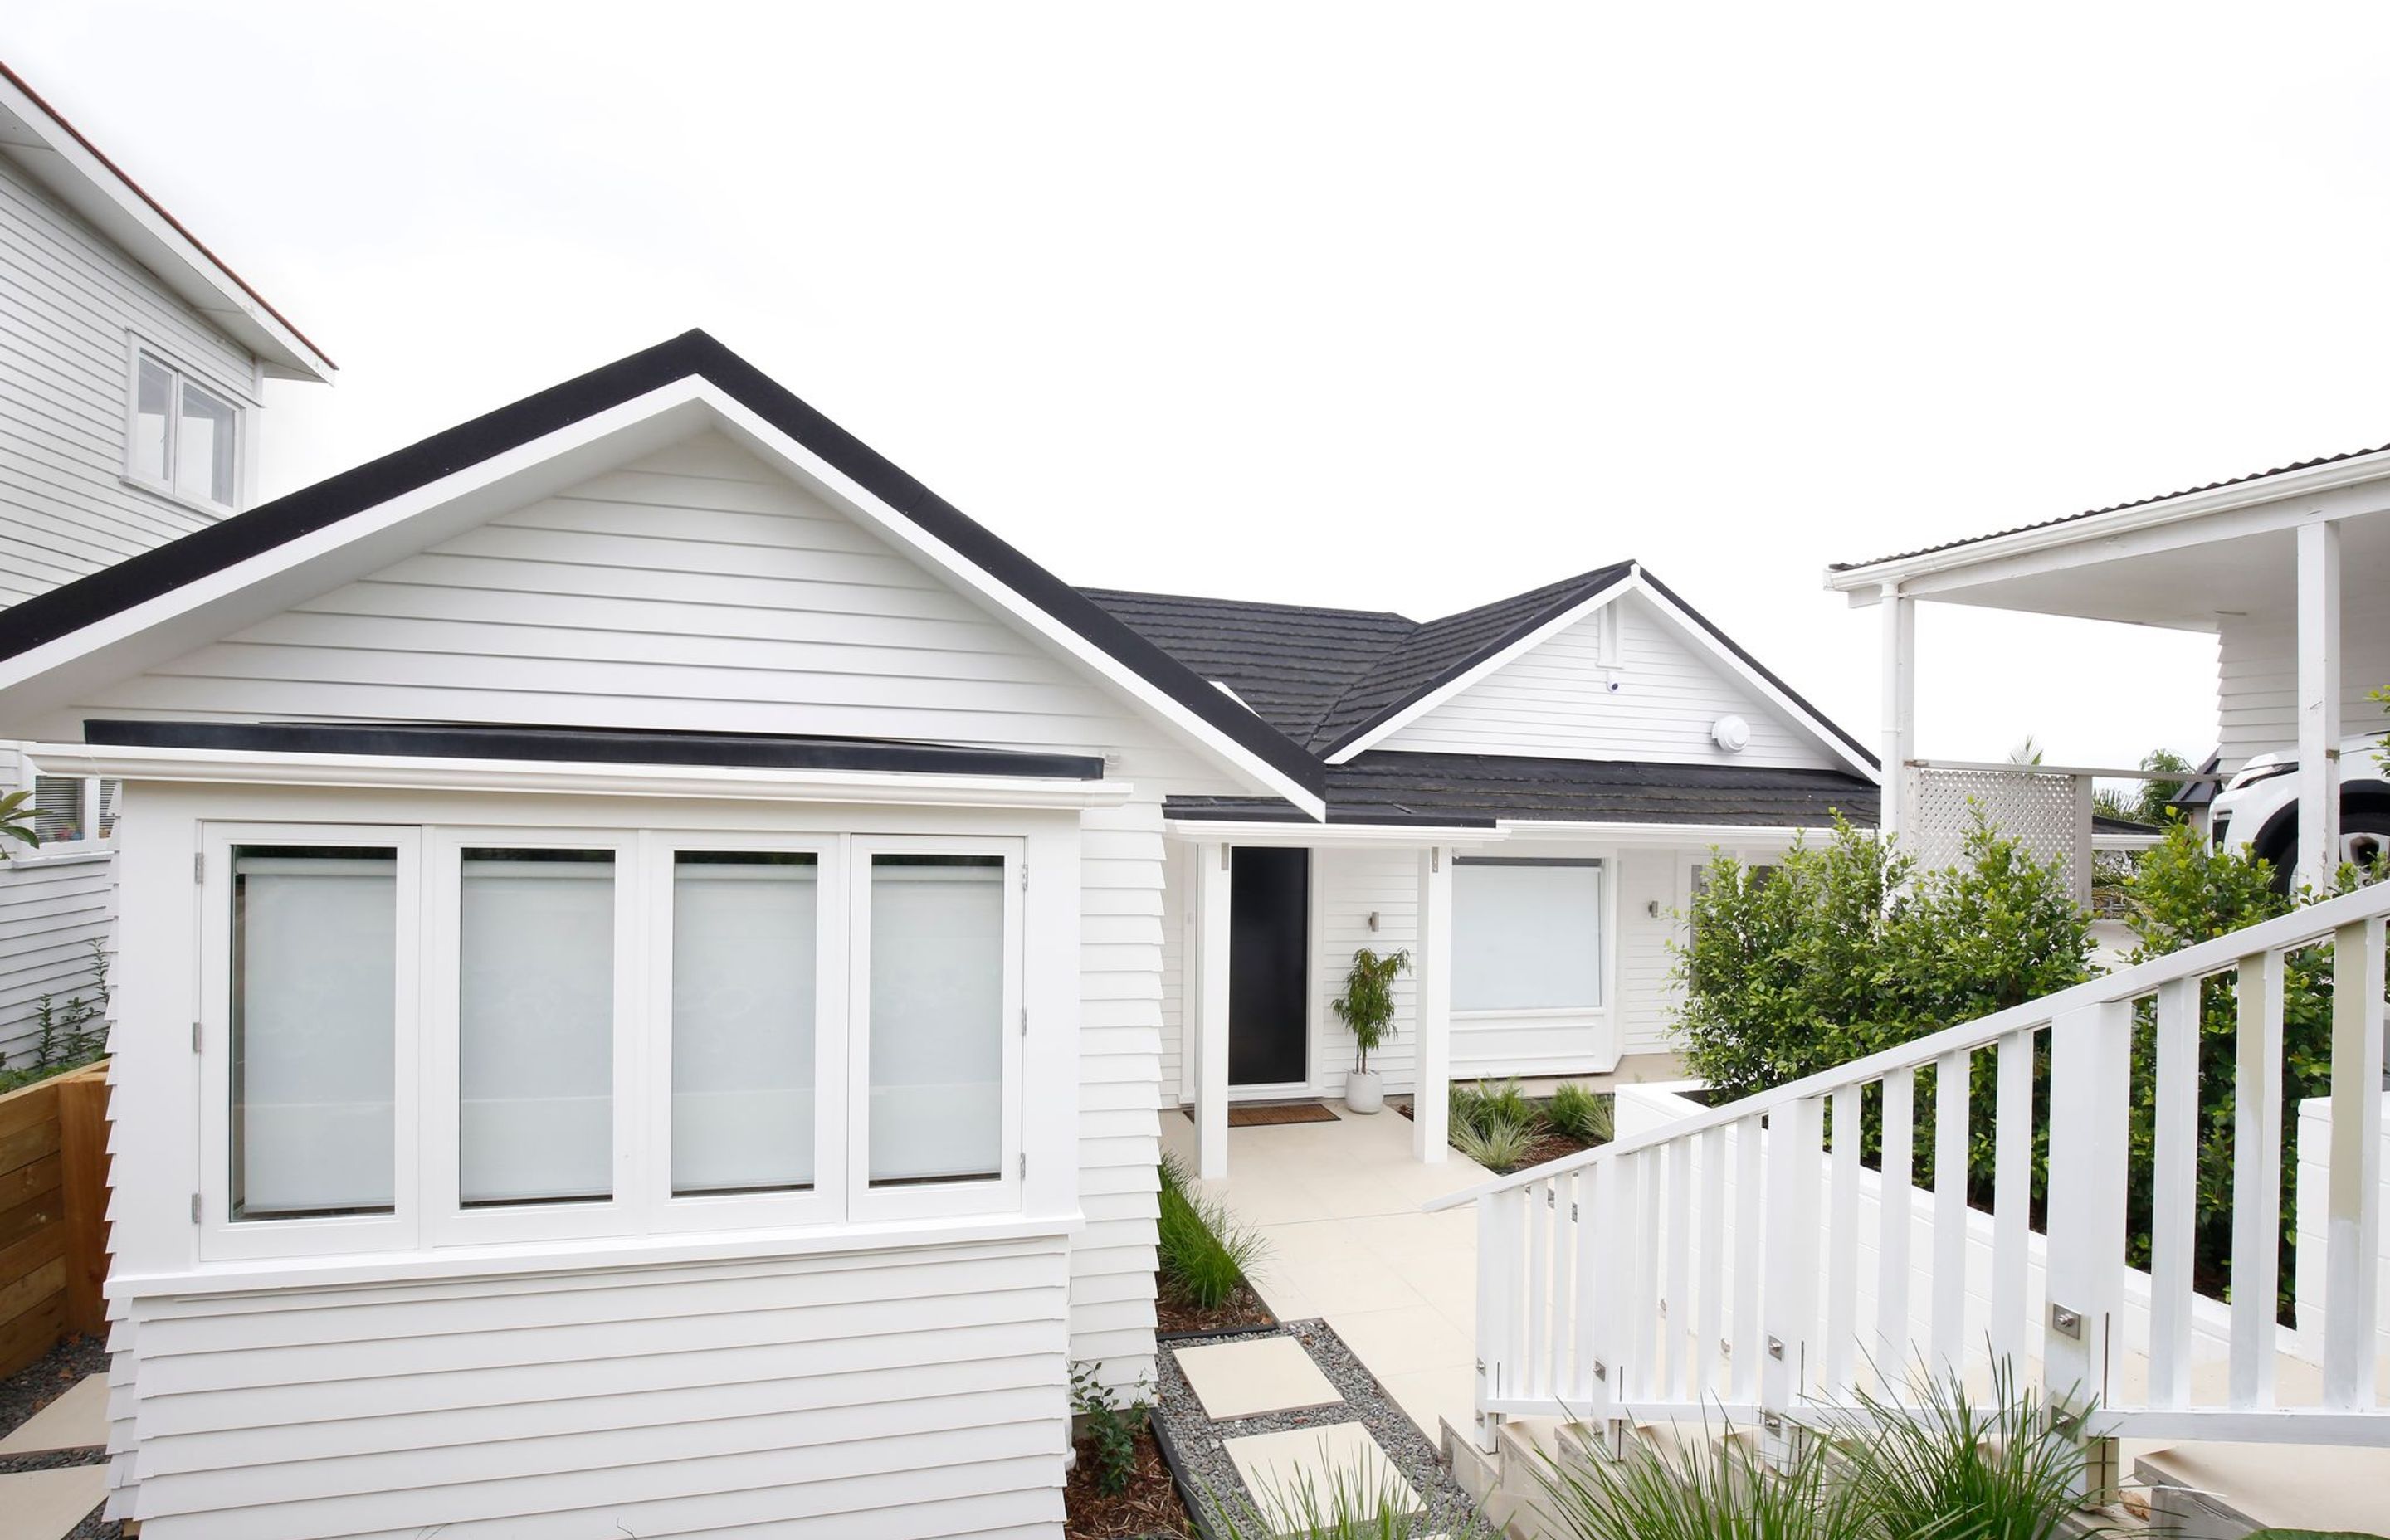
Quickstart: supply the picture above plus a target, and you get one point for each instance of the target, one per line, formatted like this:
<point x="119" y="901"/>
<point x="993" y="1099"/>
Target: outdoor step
<point x="1471" y="1467"/>
<point x="2210" y="1491"/>
<point x="47" y="1505"/>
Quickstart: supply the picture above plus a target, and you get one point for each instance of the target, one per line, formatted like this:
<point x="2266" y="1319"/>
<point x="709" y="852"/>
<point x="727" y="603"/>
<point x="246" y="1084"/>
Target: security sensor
<point x="1614" y="684"/>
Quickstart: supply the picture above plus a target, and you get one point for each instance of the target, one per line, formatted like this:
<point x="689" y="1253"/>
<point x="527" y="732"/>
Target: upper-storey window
<point x="185" y="437"/>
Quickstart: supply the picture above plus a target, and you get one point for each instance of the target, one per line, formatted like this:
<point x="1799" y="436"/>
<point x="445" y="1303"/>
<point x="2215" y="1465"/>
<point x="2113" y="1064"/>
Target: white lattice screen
<point x="2034" y="808"/>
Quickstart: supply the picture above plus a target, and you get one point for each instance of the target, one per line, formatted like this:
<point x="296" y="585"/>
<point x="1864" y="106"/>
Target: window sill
<point x="63" y="854"/>
<point x="176" y="499"/>
<point x="656" y="1251"/>
<point x="1536" y="1013"/>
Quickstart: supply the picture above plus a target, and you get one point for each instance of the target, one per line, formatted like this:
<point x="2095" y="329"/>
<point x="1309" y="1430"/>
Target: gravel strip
<point x="47" y="1378"/>
<point x="35" y="1387"/>
<point x="1197" y="1442"/>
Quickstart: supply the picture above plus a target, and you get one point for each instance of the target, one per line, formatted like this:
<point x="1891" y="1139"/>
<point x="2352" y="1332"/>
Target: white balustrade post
<point x="2352" y="1199"/>
<point x="1490" y="1325"/>
<point x="2090" y="1062"/>
<point x="1432" y="1055"/>
<point x="1795" y="1139"/>
<point x="2319" y="705"/>
<point x="1212" y="887"/>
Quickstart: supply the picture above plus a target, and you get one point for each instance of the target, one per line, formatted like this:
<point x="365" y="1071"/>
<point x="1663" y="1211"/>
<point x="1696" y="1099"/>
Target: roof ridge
<point x="1095" y="588"/>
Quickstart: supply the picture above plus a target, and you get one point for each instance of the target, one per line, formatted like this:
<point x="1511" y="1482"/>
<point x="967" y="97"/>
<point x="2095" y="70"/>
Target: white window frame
<point x="448" y="1221"/>
<point x="138" y="349"/>
<point x="825" y="1200"/>
<point x="222" y="1237"/>
<point x="932" y="1199"/>
<point x="1596" y="1012"/>
<point x="92" y="796"/>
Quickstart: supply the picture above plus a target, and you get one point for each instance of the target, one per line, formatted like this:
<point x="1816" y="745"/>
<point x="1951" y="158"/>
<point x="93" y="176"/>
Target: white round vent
<point x="1730" y="733"/>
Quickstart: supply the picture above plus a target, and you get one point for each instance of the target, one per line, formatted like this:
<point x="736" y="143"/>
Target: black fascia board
<point x="1762" y="669"/>
<point x="591" y="746"/>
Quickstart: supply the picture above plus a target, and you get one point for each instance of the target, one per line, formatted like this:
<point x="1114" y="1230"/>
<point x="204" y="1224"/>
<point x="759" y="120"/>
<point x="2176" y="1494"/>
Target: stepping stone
<point x="75" y="1420"/>
<point x="47" y="1505"/>
<point x="1300" y="1474"/>
<point x="1261" y="1374"/>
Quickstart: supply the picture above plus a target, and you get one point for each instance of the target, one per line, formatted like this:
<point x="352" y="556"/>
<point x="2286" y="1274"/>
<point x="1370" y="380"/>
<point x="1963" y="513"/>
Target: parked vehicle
<point x="2258" y="808"/>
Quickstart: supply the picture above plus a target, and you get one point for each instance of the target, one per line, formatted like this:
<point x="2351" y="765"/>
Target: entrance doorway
<point x="1269" y="974"/>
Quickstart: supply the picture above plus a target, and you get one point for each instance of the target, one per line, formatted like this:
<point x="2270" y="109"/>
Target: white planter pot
<point x="1365" y="1091"/>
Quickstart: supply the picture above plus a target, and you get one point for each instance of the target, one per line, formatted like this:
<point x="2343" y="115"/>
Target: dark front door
<point x="1269" y="939"/>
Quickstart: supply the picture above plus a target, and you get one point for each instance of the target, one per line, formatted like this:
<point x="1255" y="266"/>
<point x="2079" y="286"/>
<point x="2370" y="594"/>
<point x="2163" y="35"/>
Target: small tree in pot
<point x="1367" y="1006"/>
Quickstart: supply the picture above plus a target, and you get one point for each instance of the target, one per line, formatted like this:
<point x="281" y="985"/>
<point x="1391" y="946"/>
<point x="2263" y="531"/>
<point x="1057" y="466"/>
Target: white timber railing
<point x="1743" y="1262"/>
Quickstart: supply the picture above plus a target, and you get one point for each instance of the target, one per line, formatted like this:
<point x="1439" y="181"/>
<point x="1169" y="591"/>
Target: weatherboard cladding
<point x="1476" y="790"/>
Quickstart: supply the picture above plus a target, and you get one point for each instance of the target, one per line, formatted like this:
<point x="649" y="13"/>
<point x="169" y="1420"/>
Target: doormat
<point x="1269" y="1114"/>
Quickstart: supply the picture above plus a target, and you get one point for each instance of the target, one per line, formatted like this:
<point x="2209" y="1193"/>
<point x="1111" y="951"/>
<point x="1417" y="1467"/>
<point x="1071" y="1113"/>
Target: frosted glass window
<point x="744" y="929"/>
<point x="203" y="446"/>
<point x="937" y="1018"/>
<point x="1527" y="935"/>
<point x="535" y="1007"/>
<point x="153" y="420"/>
<point x="315" y="980"/>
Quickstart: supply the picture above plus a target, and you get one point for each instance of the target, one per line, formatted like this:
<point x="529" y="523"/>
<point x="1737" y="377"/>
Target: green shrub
<point x="1108" y="1430"/>
<point x="1703" y="1490"/>
<point x="1948" y="1465"/>
<point x="1345" y="1510"/>
<point x="1498" y="1145"/>
<point x="1205" y="1253"/>
<point x="1581" y="1114"/>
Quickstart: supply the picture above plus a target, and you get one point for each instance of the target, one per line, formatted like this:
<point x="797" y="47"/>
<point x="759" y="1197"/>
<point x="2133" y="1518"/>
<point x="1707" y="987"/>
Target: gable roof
<point x="2113" y="508"/>
<point x="1337" y="680"/>
<point x="207" y="558"/>
<point x="55" y="152"/>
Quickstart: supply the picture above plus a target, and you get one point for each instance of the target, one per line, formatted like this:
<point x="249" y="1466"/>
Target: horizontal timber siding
<point x="1555" y="702"/>
<point x="52" y="913"/>
<point x="914" y="1393"/>
<point x="68" y="298"/>
<point x="2257" y="675"/>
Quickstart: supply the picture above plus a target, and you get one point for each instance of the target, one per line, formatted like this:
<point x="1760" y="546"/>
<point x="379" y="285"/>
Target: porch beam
<point x="1211" y="874"/>
<point x="1899" y="707"/>
<point x="2318" y="852"/>
<point x="1432" y="1058"/>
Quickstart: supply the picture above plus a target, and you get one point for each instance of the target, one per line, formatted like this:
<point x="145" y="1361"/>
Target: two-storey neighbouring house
<point x="133" y="363"/>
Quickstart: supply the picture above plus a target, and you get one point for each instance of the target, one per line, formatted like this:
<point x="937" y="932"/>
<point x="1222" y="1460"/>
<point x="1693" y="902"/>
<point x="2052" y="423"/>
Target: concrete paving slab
<point x="1264" y="1374"/>
<point x="1302" y="1472"/>
<point x="47" y="1505"/>
<point x="76" y="1420"/>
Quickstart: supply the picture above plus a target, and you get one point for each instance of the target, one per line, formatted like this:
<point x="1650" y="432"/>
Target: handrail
<point x="2281" y="933"/>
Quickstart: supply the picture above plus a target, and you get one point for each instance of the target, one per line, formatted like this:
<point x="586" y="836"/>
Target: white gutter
<point x="1272" y="831"/>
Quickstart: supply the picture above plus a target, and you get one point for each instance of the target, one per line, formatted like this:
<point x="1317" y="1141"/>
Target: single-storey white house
<point x="654" y="948"/>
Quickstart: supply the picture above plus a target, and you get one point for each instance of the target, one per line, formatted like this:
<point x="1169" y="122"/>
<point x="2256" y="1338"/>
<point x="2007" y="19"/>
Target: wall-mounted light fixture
<point x="1373" y="920"/>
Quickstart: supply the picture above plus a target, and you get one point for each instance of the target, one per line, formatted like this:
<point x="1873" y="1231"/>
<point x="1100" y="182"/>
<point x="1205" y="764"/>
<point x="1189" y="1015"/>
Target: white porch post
<point x="1432" y="1061"/>
<point x="1899" y="707"/>
<point x="1212" y="1009"/>
<point x="2319" y="603"/>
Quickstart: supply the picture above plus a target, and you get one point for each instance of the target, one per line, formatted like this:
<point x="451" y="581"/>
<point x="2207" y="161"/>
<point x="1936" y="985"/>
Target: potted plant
<point x="1367" y="1006"/>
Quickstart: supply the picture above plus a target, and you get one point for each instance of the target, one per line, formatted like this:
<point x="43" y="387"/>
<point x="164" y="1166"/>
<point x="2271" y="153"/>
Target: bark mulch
<point x="1148" y="1508"/>
<point x="1243" y="1308"/>
<point x="1547" y="1145"/>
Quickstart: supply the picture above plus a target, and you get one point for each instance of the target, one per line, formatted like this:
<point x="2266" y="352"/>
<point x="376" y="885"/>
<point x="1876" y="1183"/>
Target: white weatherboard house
<point x="654" y="949"/>
<point x="133" y="364"/>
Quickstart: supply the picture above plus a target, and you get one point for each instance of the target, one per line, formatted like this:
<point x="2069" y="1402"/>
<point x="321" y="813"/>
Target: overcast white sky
<point x="1378" y="305"/>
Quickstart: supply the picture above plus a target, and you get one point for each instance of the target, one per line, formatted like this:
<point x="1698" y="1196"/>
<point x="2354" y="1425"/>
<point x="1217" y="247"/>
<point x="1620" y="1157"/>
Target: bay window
<point x="1527" y="936"/>
<point x="604" y="1032"/>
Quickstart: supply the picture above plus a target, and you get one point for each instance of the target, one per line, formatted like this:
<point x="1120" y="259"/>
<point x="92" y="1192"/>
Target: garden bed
<point x="1568" y="1122"/>
<point x="1148" y="1508"/>
<point x="1174" y="1315"/>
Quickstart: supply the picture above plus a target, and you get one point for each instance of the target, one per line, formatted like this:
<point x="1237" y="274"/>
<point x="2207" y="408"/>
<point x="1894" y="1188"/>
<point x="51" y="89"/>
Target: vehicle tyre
<point x="2364" y="837"/>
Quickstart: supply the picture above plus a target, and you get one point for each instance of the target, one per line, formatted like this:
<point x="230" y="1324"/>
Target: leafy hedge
<point x="1842" y="950"/>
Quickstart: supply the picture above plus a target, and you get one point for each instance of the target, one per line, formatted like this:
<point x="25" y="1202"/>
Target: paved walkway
<point x="63" y="1441"/>
<point x="1339" y="1204"/>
